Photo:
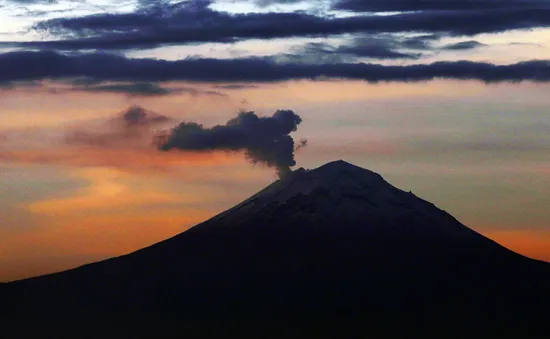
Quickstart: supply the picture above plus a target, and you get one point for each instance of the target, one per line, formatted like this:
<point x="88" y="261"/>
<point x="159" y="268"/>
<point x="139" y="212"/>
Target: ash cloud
<point x="131" y="127"/>
<point x="137" y="116"/>
<point x="265" y="140"/>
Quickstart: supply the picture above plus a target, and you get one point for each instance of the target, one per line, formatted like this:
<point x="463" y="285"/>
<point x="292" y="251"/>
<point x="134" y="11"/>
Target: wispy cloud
<point x="132" y="128"/>
<point x="130" y="89"/>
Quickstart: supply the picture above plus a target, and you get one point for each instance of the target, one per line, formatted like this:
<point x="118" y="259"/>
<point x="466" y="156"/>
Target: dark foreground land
<point x="335" y="252"/>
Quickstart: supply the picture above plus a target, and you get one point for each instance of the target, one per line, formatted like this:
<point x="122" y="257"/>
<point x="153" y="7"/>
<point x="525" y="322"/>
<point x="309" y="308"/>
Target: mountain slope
<point x="332" y="251"/>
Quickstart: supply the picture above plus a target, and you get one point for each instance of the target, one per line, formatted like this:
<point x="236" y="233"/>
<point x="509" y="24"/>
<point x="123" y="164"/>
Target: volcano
<point x="332" y="252"/>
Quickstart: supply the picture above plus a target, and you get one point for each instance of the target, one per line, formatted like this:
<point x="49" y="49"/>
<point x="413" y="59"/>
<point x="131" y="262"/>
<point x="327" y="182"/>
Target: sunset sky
<point x="448" y="99"/>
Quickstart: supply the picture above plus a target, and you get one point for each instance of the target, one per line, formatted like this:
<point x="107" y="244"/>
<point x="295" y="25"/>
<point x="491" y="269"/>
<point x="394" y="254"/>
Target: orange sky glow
<point x="68" y="203"/>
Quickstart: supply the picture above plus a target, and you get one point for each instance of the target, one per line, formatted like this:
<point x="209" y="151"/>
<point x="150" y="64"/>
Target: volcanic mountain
<point x="332" y="252"/>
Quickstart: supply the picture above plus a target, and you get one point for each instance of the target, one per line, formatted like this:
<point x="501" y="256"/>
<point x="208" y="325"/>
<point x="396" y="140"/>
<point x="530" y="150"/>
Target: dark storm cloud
<point x="194" y="21"/>
<point x="265" y="140"/>
<point x="18" y="66"/>
<point x="434" y="5"/>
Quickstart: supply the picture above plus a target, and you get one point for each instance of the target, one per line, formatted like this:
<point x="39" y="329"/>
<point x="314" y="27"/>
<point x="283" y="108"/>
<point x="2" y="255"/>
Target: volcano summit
<point x="332" y="252"/>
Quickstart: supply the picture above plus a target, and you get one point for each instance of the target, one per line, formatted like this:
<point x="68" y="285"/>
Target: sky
<point x="123" y="123"/>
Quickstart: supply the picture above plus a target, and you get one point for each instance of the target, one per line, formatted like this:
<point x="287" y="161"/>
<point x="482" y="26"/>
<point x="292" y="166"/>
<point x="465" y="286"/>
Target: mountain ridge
<point x="336" y="248"/>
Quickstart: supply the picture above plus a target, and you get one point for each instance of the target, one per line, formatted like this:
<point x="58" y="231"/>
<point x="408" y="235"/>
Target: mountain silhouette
<point x="332" y="252"/>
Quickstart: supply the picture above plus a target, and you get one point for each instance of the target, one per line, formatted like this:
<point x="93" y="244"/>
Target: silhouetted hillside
<point x="331" y="252"/>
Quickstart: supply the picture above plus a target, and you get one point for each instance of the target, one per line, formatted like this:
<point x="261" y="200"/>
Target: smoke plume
<point x="137" y="116"/>
<point x="129" y="128"/>
<point x="265" y="140"/>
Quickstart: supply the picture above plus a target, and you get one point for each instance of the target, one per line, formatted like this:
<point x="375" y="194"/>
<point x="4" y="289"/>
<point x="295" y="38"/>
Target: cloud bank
<point x="434" y="5"/>
<point x="159" y="23"/>
<point x="17" y="66"/>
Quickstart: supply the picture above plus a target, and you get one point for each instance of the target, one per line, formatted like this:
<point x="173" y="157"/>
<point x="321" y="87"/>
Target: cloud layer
<point x="16" y="66"/>
<point x="435" y="5"/>
<point x="158" y="23"/>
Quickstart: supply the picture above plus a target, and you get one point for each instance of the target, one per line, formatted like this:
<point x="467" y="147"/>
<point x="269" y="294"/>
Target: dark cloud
<point x="419" y="42"/>
<point x="83" y="81"/>
<point x="134" y="89"/>
<point x="387" y="46"/>
<point x="141" y="89"/>
<point x="236" y="86"/>
<point x="129" y="128"/>
<point x="6" y="85"/>
<point x="463" y="45"/>
<point x="380" y="46"/>
<point x="11" y="85"/>
<point x="375" y="47"/>
<point x="265" y="140"/>
<point x="434" y="5"/>
<point x="49" y="65"/>
<point x="314" y="53"/>
<point x="194" y="21"/>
